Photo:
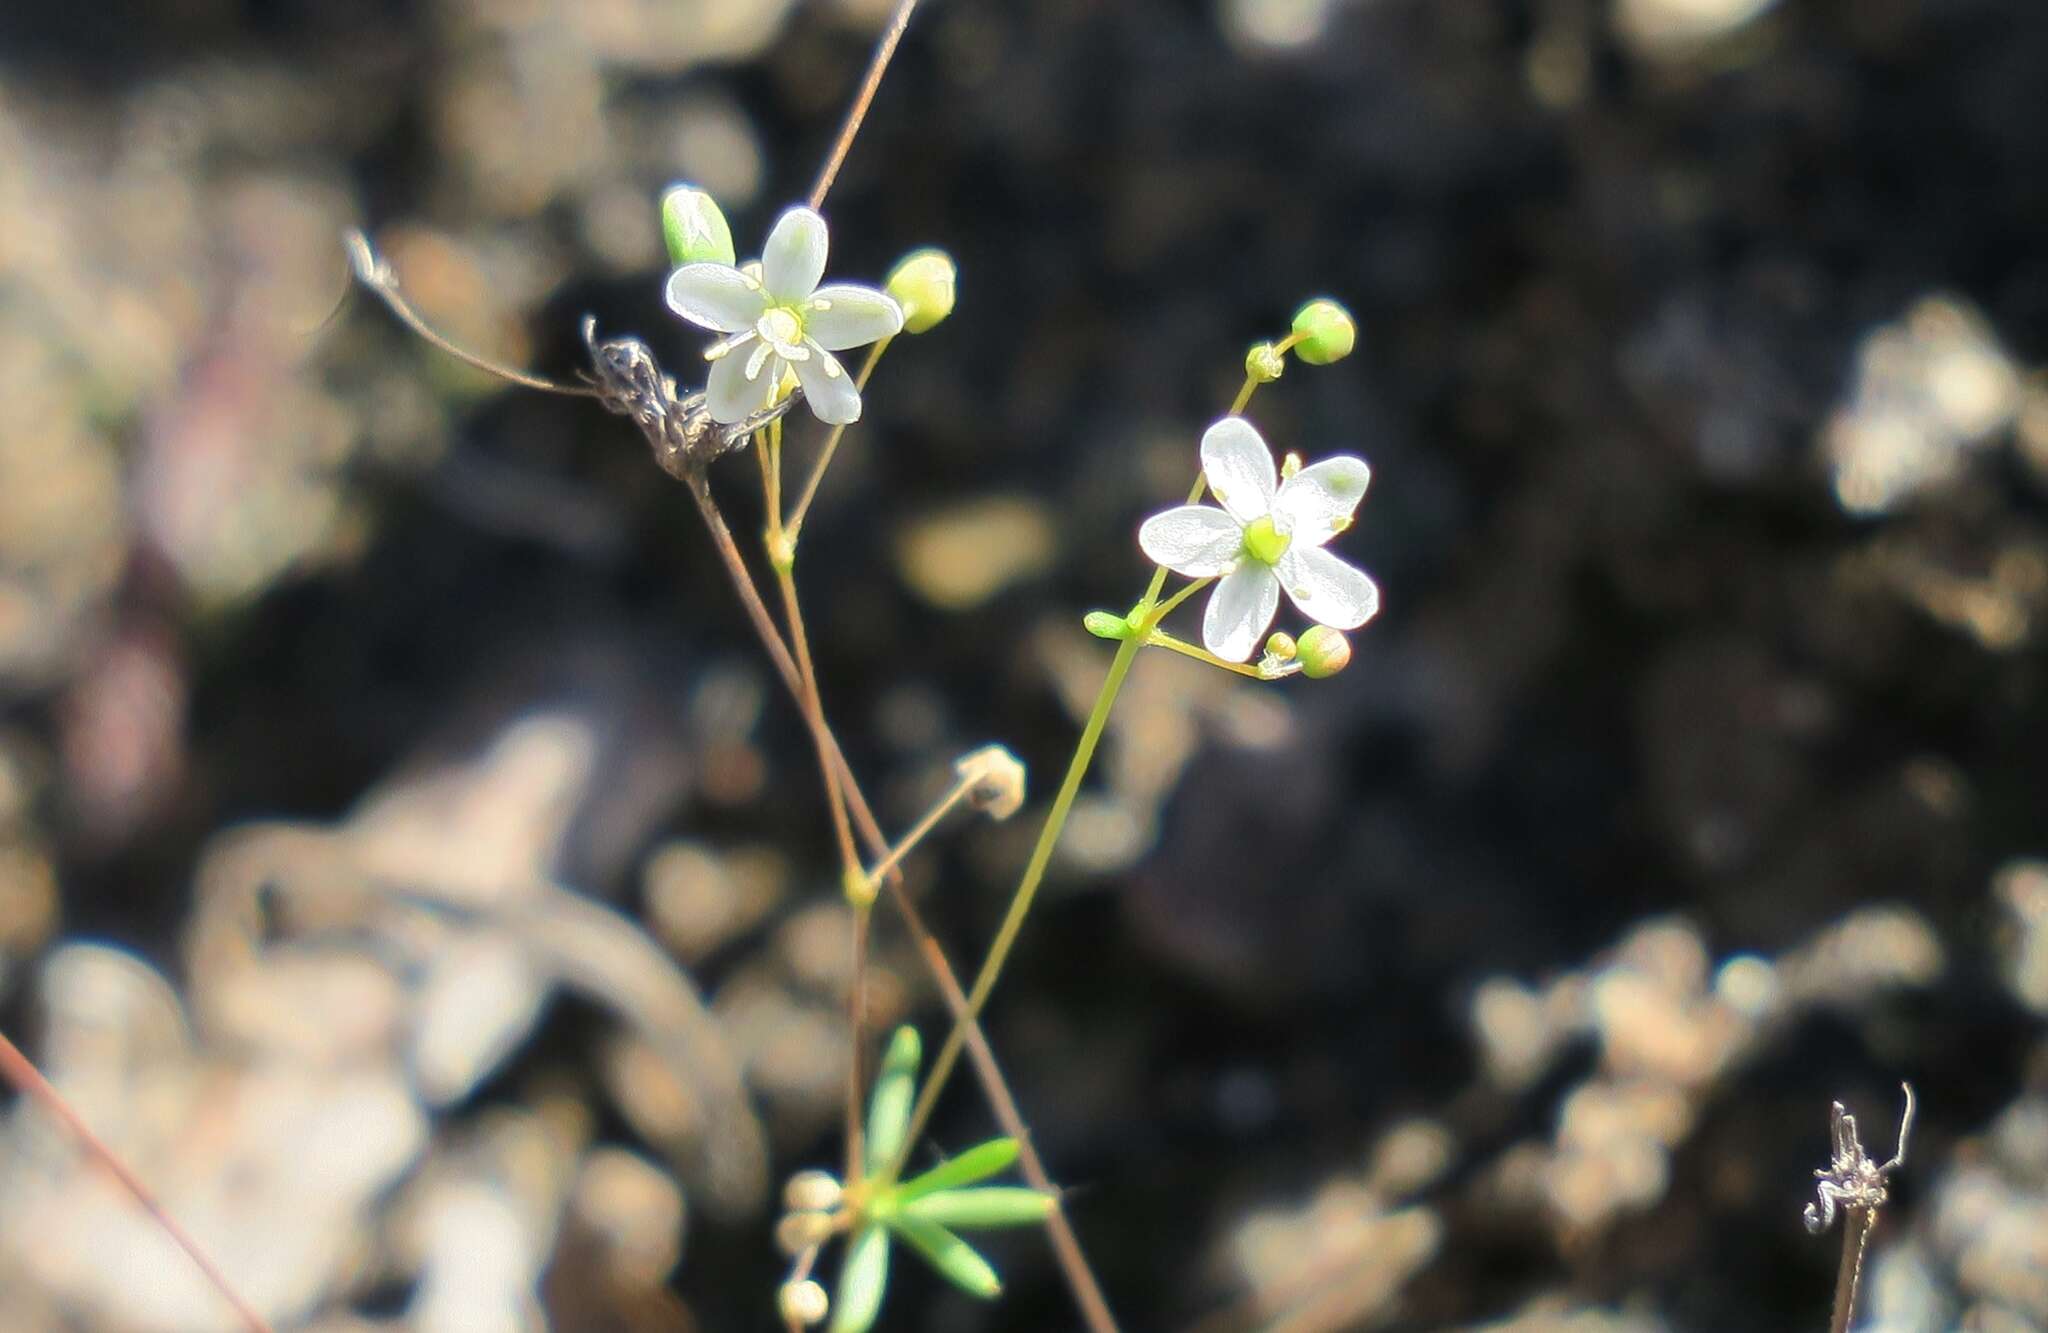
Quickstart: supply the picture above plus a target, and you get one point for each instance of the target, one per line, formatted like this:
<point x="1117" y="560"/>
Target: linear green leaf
<point x="989" y="1206"/>
<point x="889" y="1105"/>
<point x="954" y="1258"/>
<point x="862" y="1279"/>
<point x="977" y="1163"/>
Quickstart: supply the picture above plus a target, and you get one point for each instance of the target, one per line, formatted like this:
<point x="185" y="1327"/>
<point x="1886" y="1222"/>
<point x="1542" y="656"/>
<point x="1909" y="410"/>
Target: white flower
<point x="778" y="316"/>
<point x="1267" y="537"/>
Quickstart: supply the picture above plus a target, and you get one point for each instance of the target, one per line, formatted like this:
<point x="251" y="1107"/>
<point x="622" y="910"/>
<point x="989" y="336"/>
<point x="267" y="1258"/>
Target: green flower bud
<point x="922" y="283"/>
<point x="1323" y="652"/>
<point x="1324" y="332"/>
<point x="1280" y="646"/>
<point x="1106" y="625"/>
<point x="802" y="1303"/>
<point x="694" y="228"/>
<point x="1264" y="362"/>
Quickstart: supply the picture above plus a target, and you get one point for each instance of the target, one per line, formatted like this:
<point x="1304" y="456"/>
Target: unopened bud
<point x="797" y="1232"/>
<point x="923" y="283"/>
<point x="1324" y="332"/>
<point x="1264" y="362"/>
<point x="812" y="1192"/>
<point x="1280" y="646"/>
<point x="1323" y="652"/>
<point x="694" y="228"/>
<point x="1106" y="625"/>
<point x="802" y="1303"/>
<point x="995" y="778"/>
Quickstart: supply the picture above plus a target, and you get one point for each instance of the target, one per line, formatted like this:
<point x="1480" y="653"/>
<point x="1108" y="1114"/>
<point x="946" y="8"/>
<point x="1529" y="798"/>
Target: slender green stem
<point x="1165" y="608"/>
<point x="795" y="525"/>
<point x="1159" y="638"/>
<point x="1027" y="889"/>
<point x="1144" y="620"/>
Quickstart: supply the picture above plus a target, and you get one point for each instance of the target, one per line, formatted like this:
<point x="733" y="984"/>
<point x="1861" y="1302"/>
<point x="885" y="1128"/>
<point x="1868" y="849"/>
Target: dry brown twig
<point x="20" y="1071"/>
<point x="1855" y="1185"/>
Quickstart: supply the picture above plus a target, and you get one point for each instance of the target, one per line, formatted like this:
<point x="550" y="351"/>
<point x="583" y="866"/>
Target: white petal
<point x="716" y="296"/>
<point x="827" y="387"/>
<point x="730" y="395"/>
<point x="794" y="258"/>
<point x="1239" y="611"/>
<point x="1316" y="503"/>
<point x="1239" y="468"/>
<point x="843" y="316"/>
<point x="1325" y="589"/>
<point x="1199" y="541"/>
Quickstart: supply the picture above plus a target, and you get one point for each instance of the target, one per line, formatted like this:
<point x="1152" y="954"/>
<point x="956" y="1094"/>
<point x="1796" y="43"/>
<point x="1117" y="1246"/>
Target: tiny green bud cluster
<point x="1324" y="332"/>
<point x="923" y="283"/>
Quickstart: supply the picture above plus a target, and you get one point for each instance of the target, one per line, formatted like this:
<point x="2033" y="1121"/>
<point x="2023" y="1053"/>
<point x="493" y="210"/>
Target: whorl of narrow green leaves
<point x="1324" y="332"/>
<point x="924" y="283"/>
<point x="988" y="1206"/>
<point x="977" y="1163"/>
<point x="889" y="1105"/>
<point x="954" y="1258"/>
<point x="863" y="1277"/>
<point x="694" y="227"/>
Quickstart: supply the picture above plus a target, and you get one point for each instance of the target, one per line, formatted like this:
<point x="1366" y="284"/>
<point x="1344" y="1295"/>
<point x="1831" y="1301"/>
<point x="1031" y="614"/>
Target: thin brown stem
<point x="20" y="1071"/>
<point x="1857" y="1224"/>
<point x="1066" y="1246"/>
<point x="919" y="831"/>
<point x="855" y="114"/>
<point x="374" y="272"/>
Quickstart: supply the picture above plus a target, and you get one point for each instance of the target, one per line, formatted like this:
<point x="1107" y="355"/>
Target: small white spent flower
<point x="1268" y="536"/>
<point x="776" y="317"/>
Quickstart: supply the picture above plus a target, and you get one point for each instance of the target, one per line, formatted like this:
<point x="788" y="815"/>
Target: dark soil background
<point x="1699" y="377"/>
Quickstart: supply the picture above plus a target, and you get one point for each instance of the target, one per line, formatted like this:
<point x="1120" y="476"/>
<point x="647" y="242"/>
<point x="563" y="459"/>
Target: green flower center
<point x="781" y="328"/>
<point x="1263" y="542"/>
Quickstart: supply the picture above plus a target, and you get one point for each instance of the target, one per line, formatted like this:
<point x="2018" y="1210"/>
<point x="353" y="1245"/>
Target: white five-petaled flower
<point x="1268" y="536"/>
<point x="781" y="318"/>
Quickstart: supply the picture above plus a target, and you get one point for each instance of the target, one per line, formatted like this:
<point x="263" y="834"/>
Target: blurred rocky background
<point x="408" y="863"/>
